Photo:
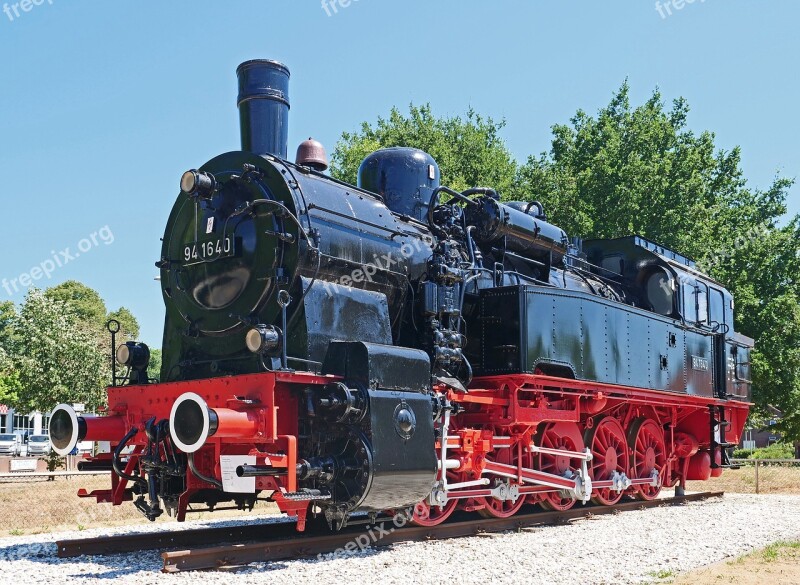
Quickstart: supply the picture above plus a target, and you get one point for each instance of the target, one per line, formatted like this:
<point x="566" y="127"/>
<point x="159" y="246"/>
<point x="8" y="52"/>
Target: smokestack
<point x="264" y="107"/>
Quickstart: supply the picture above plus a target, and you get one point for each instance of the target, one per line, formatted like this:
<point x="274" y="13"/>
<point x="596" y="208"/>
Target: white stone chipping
<point x="625" y="548"/>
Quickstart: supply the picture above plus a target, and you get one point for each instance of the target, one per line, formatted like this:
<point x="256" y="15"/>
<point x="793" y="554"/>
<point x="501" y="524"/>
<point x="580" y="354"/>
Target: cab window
<point x="702" y="303"/>
<point x="716" y="307"/>
<point x="695" y="301"/>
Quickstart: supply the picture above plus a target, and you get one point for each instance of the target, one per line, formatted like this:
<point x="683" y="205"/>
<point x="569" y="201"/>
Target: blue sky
<point x="104" y="104"/>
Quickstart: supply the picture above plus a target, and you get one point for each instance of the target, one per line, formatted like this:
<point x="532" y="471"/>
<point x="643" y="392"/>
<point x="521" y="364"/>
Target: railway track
<point x="188" y="550"/>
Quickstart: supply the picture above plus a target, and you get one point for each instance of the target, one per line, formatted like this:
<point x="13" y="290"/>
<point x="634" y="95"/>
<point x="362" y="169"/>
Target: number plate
<point x="209" y="251"/>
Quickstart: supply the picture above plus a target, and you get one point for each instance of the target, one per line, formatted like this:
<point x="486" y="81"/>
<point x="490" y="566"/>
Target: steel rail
<point x="269" y="541"/>
<point x="126" y="543"/>
<point x="276" y="549"/>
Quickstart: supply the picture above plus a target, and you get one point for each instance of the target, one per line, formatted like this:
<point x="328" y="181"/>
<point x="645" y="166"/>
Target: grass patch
<point x="59" y="508"/>
<point x="771" y="552"/>
<point x="662" y="574"/>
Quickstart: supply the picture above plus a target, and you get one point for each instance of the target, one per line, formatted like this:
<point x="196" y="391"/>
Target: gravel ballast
<point x="630" y="547"/>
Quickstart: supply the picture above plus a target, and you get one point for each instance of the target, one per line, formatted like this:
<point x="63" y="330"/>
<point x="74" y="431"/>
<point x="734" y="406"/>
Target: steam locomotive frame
<point x="399" y="345"/>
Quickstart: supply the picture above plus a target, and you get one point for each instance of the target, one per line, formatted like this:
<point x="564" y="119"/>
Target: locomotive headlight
<point x="133" y="354"/>
<point x="198" y="184"/>
<point x="263" y="339"/>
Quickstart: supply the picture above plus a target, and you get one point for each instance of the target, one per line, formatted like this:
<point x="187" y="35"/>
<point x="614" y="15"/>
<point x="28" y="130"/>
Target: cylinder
<point x="264" y="107"/>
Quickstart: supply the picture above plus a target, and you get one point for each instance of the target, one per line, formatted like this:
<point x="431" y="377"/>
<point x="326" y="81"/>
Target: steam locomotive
<point x="399" y="345"/>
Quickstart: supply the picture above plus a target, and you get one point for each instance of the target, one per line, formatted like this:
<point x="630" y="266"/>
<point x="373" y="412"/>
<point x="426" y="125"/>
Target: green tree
<point x="154" y="369"/>
<point x="56" y="356"/>
<point x="642" y="171"/>
<point x="85" y="302"/>
<point x="469" y="150"/>
<point x="8" y="313"/>
<point x="9" y="379"/>
<point x="129" y="325"/>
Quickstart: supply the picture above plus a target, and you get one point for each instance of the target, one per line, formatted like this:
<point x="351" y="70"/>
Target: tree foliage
<point x="129" y="326"/>
<point x="154" y="369"/>
<point x="8" y="313"/>
<point x="56" y="357"/>
<point x="9" y="379"/>
<point x="638" y="170"/>
<point x="54" y="348"/>
<point x="469" y="150"/>
<point x="86" y="303"/>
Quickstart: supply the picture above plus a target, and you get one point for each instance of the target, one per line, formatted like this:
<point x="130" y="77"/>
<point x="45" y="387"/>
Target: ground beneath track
<point x="648" y="546"/>
<point x="777" y="564"/>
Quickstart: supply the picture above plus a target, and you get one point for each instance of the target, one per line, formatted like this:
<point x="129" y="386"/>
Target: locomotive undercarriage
<point x="510" y="441"/>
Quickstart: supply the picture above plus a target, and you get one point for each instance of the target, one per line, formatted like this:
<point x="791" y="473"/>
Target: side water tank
<point x="404" y="177"/>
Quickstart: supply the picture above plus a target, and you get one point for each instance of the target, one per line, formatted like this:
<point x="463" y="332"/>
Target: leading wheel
<point x="606" y="440"/>
<point x="566" y="437"/>
<point x="648" y="454"/>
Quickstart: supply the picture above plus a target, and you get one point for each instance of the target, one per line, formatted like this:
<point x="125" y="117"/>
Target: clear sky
<point x="104" y="104"/>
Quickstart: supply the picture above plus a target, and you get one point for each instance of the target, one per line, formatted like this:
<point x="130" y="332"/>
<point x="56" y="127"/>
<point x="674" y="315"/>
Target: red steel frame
<point x="500" y="412"/>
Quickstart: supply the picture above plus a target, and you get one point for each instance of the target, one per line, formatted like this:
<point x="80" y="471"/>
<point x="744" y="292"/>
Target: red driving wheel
<point x="609" y="447"/>
<point x="648" y="453"/>
<point x="566" y="437"/>
<point x="494" y="508"/>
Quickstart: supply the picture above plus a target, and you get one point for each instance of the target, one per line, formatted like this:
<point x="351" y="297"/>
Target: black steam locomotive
<point x="399" y="343"/>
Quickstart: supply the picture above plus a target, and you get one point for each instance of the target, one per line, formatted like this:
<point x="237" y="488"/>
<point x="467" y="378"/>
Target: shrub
<point x="774" y="451"/>
<point x="53" y="461"/>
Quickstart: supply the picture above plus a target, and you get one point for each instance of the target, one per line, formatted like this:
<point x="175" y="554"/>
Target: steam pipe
<point x="193" y="468"/>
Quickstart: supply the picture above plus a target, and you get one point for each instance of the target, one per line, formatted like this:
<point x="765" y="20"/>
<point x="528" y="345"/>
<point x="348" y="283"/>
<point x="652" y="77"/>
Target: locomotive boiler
<point x="398" y="345"/>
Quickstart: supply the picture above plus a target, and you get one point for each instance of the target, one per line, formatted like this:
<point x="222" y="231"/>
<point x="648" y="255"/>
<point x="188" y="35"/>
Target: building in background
<point x="763" y="436"/>
<point x="23" y="424"/>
